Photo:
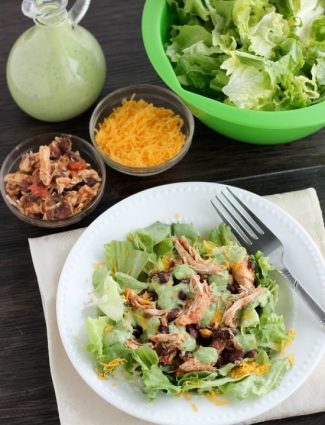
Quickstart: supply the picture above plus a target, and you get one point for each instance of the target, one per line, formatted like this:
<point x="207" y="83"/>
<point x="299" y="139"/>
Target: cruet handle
<point x="78" y="10"/>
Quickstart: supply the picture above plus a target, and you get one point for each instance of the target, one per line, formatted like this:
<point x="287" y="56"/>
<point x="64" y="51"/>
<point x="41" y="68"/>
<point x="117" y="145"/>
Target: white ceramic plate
<point x="188" y="202"/>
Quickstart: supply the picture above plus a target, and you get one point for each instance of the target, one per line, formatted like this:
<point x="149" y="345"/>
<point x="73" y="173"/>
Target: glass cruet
<point x="56" y="69"/>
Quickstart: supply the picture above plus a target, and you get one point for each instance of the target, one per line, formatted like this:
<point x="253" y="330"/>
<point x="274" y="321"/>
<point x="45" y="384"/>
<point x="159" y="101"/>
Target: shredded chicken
<point x="193" y="365"/>
<point x="191" y="257"/>
<point x="45" y="165"/>
<point x="243" y="275"/>
<point x="168" y="345"/>
<point x="53" y="183"/>
<point x="167" y="355"/>
<point x="197" y="306"/>
<point x="154" y="312"/>
<point x="28" y="161"/>
<point x="132" y="344"/>
<point x="219" y="345"/>
<point x="137" y="301"/>
<point x="173" y="338"/>
<point x="230" y="315"/>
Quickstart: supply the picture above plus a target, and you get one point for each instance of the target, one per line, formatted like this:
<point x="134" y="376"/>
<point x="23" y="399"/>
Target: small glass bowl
<point x="87" y="152"/>
<point x="156" y="95"/>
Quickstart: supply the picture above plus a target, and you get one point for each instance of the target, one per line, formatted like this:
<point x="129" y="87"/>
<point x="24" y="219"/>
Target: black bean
<point x="251" y="265"/>
<point x="251" y="354"/>
<point x="90" y="181"/>
<point x="163" y="329"/>
<point x="137" y="331"/>
<point x="163" y="277"/>
<point x="78" y="186"/>
<point x="182" y="295"/>
<point x="204" y="342"/>
<point x="222" y="333"/>
<point x="64" y="144"/>
<point x="153" y="296"/>
<point x="191" y="329"/>
<point x="32" y="198"/>
<point x="172" y="315"/>
<point x="236" y="355"/>
<point x="233" y="287"/>
<point x="203" y="277"/>
<point x="220" y="362"/>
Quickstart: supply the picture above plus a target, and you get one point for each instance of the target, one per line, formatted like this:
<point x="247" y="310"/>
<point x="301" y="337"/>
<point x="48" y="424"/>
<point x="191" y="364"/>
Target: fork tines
<point x="238" y="216"/>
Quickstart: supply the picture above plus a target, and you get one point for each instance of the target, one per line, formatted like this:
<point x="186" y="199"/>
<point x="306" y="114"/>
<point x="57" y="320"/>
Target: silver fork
<point x="255" y="236"/>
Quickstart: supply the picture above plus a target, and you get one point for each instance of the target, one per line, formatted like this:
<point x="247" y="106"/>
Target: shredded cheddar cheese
<point x="194" y="407"/>
<point x="291" y="333"/>
<point x="108" y="328"/>
<point x="185" y="395"/>
<point x="215" y="399"/>
<point x="217" y="317"/>
<point x="139" y="134"/>
<point x="249" y="368"/>
<point x="291" y="359"/>
<point x="108" y="367"/>
<point x="100" y="374"/>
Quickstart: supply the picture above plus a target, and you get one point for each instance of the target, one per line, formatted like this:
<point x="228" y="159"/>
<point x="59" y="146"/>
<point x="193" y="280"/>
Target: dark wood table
<point x="26" y="391"/>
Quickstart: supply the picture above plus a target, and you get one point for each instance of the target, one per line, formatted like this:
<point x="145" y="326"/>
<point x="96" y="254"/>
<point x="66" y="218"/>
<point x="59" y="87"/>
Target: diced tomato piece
<point x="39" y="189"/>
<point x="77" y="165"/>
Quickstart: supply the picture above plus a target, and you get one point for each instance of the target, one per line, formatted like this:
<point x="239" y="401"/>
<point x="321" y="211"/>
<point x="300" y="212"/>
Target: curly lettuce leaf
<point x="185" y="37"/>
<point x="267" y="34"/>
<point x="154" y="379"/>
<point x="271" y="332"/>
<point x="110" y="302"/>
<point x="222" y="235"/>
<point x="185" y="229"/>
<point x="248" y="86"/>
<point x="95" y="329"/>
<point x="122" y="257"/>
<point x="204" y="381"/>
<point x="127" y="281"/>
<point x="98" y="278"/>
<point x="258" y="385"/>
<point x="214" y="43"/>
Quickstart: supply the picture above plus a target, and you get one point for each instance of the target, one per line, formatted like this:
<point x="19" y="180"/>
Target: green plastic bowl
<point x="257" y="127"/>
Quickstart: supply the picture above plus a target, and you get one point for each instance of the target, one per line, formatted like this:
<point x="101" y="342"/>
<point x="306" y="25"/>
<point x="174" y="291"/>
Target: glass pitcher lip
<point x="51" y="13"/>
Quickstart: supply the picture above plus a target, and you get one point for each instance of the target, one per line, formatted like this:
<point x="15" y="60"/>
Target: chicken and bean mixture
<point x="52" y="184"/>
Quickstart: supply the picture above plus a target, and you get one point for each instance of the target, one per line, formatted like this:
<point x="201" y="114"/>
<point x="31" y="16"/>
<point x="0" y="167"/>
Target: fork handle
<point x="309" y="300"/>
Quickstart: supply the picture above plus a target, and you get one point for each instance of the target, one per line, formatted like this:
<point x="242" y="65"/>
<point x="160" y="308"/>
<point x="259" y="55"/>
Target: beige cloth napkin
<point x="78" y="404"/>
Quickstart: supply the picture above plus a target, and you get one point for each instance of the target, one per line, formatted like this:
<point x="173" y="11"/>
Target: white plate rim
<point x="187" y="187"/>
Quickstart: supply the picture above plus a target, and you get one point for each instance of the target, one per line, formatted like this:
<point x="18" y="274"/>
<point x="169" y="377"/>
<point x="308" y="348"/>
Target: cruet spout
<point x="50" y="11"/>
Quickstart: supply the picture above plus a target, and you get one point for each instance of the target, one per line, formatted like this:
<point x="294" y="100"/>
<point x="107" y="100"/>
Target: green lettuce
<point x="145" y="239"/>
<point x="257" y="385"/>
<point x="95" y="330"/>
<point x="185" y="229"/>
<point x="204" y="381"/>
<point x="127" y="281"/>
<point x="222" y="235"/>
<point x="154" y="379"/>
<point x="110" y="301"/>
<point x="212" y="39"/>
<point x="122" y="257"/>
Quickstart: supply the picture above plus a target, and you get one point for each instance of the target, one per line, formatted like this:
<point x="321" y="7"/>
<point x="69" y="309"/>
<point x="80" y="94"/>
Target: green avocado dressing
<point x="206" y="355"/>
<point x="168" y="295"/>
